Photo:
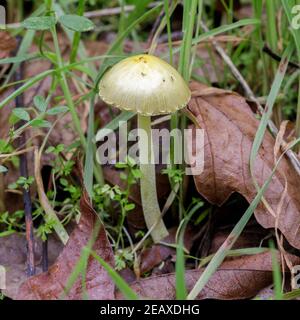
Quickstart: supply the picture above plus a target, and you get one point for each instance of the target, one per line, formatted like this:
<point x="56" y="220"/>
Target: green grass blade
<point x="161" y="27"/>
<point x="288" y="5"/>
<point x="76" y="272"/>
<point x="271" y="20"/>
<point x="81" y="264"/>
<point x="219" y="30"/>
<point x="118" y="42"/>
<point x="24" y="45"/>
<point x="118" y="280"/>
<point x="76" y="37"/>
<point x="19" y="58"/>
<point x="270" y="103"/>
<point x="89" y="158"/>
<point x="26" y="86"/>
<point x="181" y="291"/>
<point x="114" y="124"/>
<point x="145" y="16"/>
<point x="225" y="28"/>
<point x="235" y="253"/>
<point x="66" y="90"/>
<point x="167" y="16"/>
<point x="197" y="33"/>
<point x="189" y="13"/>
<point x="140" y="9"/>
<point x="81" y="51"/>
<point x="291" y="295"/>
<point x="258" y="37"/>
<point x="276" y="272"/>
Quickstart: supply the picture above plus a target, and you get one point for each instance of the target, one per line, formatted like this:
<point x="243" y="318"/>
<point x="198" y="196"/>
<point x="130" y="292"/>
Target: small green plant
<point x="34" y="117"/>
<point x="45" y="229"/>
<point x="61" y="166"/>
<point x="12" y="222"/>
<point x="107" y="197"/>
<point x="7" y="148"/>
<point x="132" y="172"/>
<point x="121" y="198"/>
<point x="175" y="175"/>
<point x="123" y="258"/>
<point x="22" y="183"/>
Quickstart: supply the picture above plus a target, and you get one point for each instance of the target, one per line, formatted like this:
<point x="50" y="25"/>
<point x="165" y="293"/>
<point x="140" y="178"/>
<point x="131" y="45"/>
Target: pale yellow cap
<point x="144" y="84"/>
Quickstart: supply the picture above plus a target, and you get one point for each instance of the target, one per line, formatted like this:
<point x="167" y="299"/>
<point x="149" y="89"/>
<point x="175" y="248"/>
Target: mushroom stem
<point x="152" y="213"/>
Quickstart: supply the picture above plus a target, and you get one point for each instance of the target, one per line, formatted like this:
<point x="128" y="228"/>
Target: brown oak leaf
<point x="235" y="279"/>
<point x="229" y="130"/>
<point x="50" y="285"/>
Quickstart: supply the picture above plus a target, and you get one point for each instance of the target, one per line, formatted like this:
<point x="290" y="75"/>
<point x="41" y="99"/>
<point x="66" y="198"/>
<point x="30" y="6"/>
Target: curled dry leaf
<point x="236" y="279"/>
<point x="229" y="130"/>
<point x="50" y="285"/>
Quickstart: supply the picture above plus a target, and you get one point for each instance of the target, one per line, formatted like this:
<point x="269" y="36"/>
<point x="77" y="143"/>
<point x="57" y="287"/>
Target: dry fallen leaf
<point x="158" y="253"/>
<point x="229" y="129"/>
<point x="7" y="45"/>
<point x="99" y="285"/>
<point x="251" y="237"/>
<point x="236" y="279"/>
<point x="13" y="257"/>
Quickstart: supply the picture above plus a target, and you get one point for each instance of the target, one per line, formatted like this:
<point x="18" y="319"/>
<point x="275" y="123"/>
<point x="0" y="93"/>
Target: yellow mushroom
<point x="148" y="86"/>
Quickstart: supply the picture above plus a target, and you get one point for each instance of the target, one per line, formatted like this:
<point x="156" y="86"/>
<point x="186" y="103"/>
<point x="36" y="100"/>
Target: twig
<point x="155" y="27"/>
<point x="21" y="141"/>
<point x="108" y="12"/>
<point x="273" y="129"/>
<point x="45" y="255"/>
<point x="175" y="36"/>
<point x="160" y="28"/>
<point x="277" y="58"/>
<point x="16" y="153"/>
<point x="114" y="11"/>
<point x="50" y="214"/>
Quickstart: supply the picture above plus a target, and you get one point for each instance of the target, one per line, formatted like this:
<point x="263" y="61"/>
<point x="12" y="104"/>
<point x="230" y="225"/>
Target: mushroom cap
<point x="144" y="84"/>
